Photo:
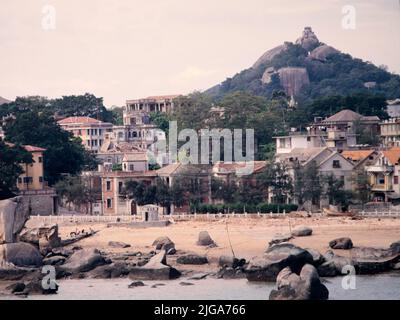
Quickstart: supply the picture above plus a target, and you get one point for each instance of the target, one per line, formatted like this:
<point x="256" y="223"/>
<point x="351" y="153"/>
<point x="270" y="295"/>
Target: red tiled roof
<point x="33" y="149"/>
<point x="393" y="155"/>
<point x="356" y="155"/>
<point x="71" y="120"/>
<point x="28" y="148"/>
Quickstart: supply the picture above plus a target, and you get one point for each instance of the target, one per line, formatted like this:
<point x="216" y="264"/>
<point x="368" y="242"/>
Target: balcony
<point x="378" y="168"/>
<point x="381" y="187"/>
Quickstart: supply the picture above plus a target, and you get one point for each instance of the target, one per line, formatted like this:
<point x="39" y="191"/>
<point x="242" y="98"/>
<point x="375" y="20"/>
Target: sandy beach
<point x="249" y="236"/>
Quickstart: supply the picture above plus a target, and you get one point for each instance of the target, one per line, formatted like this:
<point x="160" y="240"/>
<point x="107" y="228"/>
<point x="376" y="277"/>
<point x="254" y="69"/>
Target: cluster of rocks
<point x="299" y="231"/>
<point x="297" y="270"/>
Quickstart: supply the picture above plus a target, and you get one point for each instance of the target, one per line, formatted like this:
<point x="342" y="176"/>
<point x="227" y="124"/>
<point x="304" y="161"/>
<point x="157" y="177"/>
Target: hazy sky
<point x="130" y="49"/>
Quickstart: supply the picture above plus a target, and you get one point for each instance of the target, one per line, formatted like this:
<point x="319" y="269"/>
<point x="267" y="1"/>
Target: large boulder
<point x="83" y="260"/>
<point x="374" y="260"/>
<point x="341" y="243"/>
<point x="165" y="243"/>
<point x="334" y="265"/>
<point x="323" y="52"/>
<point x="318" y="258"/>
<point x="110" y="271"/>
<point x="155" y="269"/>
<point x="192" y="259"/>
<point x="45" y="238"/>
<point x="276" y="258"/>
<point x="231" y="262"/>
<point x="118" y="244"/>
<point x="395" y="247"/>
<point x="305" y="286"/>
<point x="280" y="238"/>
<point x="20" y="254"/>
<point x="205" y="239"/>
<point x="13" y="217"/>
<point x="301" y="231"/>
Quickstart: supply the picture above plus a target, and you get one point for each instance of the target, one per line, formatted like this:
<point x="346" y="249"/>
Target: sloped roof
<point x="393" y="155"/>
<point x="28" y="147"/>
<point x="357" y="155"/>
<point x="301" y="154"/>
<point x="347" y="115"/>
<point x="344" y="116"/>
<point x="3" y="101"/>
<point x="222" y="167"/>
<point x="33" y="149"/>
<point x="168" y="169"/>
<point x="83" y="120"/>
<point x="135" y="156"/>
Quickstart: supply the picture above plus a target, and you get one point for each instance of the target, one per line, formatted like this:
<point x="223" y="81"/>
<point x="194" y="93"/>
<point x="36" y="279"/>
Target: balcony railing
<point x="377" y="168"/>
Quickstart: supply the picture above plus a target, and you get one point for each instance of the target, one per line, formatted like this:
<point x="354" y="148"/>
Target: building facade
<point x="92" y="132"/>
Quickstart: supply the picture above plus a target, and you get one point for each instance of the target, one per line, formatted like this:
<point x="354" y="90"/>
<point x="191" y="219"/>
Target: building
<point x="393" y="108"/>
<point x="135" y="162"/>
<point x="390" y="132"/>
<point x="138" y="111"/>
<point x="33" y="176"/>
<point x="114" y="199"/>
<point x="36" y="195"/>
<point x="91" y="131"/>
<point x="312" y="138"/>
<point x="384" y="175"/>
<point x="328" y="161"/>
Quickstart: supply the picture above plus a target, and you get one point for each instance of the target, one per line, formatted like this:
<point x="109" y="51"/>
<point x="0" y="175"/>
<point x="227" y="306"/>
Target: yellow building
<point x="32" y="178"/>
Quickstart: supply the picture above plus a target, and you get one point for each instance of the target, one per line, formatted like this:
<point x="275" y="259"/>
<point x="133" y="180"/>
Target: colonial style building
<point x="384" y="175"/>
<point x="137" y="111"/>
<point x="390" y="132"/>
<point x="36" y="195"/>
<point x="89" y="130"/>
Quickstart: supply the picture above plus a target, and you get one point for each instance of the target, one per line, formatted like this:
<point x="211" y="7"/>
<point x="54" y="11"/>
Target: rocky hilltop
<point x="309" y="68"/>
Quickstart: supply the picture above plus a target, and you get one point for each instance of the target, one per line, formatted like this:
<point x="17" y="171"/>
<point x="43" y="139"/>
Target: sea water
<point x="382" y="287"/>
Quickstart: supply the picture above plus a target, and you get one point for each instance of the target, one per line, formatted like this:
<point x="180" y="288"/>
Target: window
<point x="108" y="185"/>
<point x="19" y="180"/>
<point x="40" y="159"/>
<point x="396" y="180"/>
<point x="109" y="203"/>
<point x="120" y="187"/>
<point x="40" y="179"/>
<point x="336" y="164"/>
<point x="28" y="180"/>
<point x="131" y="167"/>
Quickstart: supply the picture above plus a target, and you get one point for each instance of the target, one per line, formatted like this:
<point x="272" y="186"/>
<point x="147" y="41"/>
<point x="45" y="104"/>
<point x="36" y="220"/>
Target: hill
<point x="310" y="69"/>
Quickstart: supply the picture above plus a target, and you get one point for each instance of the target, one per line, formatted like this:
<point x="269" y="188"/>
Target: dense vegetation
<point x="339" y="75"/>
<point x="64" y="154"/>
<point x="68" y="106"/>
<point x="10" y="169"/>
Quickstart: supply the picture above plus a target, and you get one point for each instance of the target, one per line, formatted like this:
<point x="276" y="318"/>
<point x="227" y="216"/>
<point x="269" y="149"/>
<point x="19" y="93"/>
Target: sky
<point x="128" y="49"/>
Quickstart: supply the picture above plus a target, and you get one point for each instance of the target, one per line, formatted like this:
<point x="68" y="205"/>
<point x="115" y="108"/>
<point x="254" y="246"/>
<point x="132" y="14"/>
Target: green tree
<point x="224" y="190"/>
<point x="192" y="111"/>
<point x="307" y="183"/>
<point x="362" y="186"/>
<point x="177" y="193"/>
<point x="277" y="178"/>
<point x="335" y="192"/>
<point x="140" y="192"/>
<point x="161" y="120"/>
<point x="64" y="153"/>
<point x="82" y="105"/>
<point x="78" y="190"/>
<point x="11" y="158"/>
